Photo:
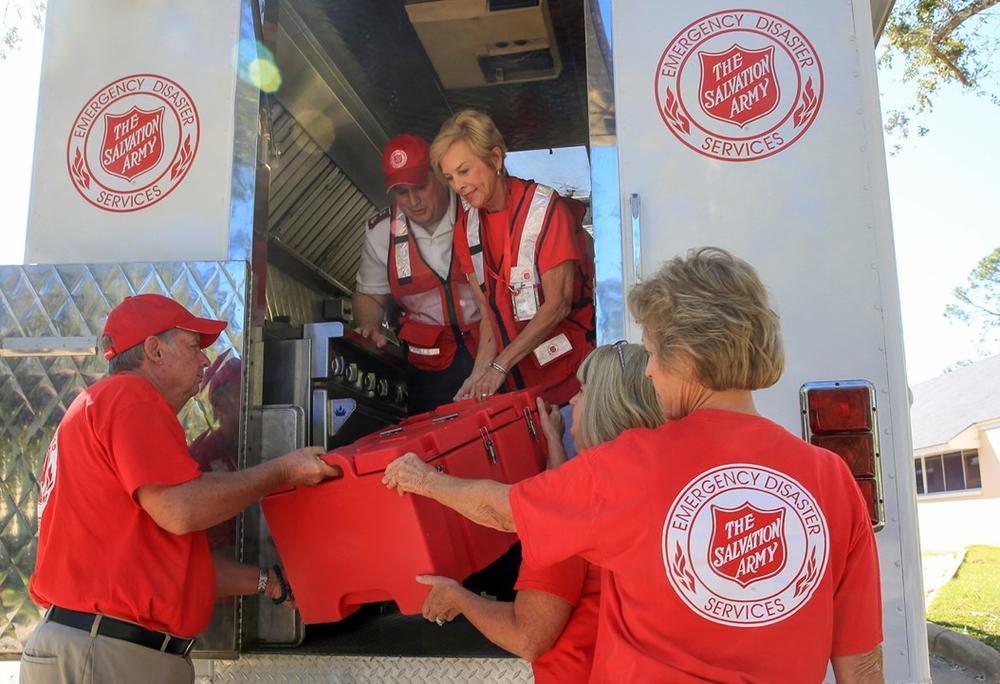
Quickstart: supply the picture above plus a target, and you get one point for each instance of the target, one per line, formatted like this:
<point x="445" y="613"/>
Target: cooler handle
<point x="337" y="459"/>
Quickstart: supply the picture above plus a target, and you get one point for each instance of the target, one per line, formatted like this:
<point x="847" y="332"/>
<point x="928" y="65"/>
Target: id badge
<point x="523" y="293"/>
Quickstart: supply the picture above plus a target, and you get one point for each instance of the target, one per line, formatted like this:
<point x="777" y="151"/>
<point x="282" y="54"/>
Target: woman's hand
<point x="440" y="605"/>
<point x="487" y="384"/>
<point x="465" y="391"/>
<point x="408" y="473"/>
<point x="553" y="427"/>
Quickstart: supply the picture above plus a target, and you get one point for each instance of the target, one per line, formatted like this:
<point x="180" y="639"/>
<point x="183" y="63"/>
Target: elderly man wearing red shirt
<point x="732" y="550"/>
<point x="123" y="565"/>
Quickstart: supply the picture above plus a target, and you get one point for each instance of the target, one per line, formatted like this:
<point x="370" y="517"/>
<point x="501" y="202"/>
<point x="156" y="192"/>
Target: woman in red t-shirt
<point x="527" y="252"/>
<point x="553" y="620"/>
<point x="731" y="550"/>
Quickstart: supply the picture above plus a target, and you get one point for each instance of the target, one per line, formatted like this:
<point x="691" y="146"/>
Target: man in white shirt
<point x="407" y="258"/>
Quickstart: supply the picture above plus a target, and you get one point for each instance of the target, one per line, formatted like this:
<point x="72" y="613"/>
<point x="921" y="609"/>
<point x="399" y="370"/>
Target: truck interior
<point x="339" y="78"/>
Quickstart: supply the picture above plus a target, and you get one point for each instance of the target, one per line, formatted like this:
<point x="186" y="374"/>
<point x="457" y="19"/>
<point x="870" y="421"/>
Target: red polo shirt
<point x="98" y="550"/>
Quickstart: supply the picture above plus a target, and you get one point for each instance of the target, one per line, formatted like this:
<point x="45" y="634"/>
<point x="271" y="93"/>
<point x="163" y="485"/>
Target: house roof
<point x="947" y="405"/>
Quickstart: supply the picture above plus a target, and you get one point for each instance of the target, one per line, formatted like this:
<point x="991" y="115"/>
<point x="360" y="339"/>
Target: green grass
<point x="970" y="602"/>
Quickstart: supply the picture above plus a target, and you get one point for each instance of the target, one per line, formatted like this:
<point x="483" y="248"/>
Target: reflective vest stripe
<point x="472" y="236"/>
<point x="399" y="234"/>
<point x="533" y="223"/>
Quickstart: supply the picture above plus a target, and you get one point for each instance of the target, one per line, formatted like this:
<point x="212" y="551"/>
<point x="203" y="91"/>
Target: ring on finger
<point x="439" y="622"/>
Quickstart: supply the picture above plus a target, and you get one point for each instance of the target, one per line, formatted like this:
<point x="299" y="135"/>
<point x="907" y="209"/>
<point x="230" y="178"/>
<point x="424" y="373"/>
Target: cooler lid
<point x="439" y="432"/>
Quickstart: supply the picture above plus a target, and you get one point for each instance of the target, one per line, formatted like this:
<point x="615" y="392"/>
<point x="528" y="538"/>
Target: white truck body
<point x="155" y="144"/>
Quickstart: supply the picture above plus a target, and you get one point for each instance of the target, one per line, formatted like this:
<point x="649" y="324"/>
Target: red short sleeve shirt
<point x="98" y="550"/>
<point x="577" y="582"/>
<point x="719" y="528"/>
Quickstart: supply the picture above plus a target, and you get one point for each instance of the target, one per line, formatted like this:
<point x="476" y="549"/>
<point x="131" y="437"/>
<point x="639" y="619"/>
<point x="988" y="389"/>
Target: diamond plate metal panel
<point x="35" y="391"/>
<point x="337" y="669"/>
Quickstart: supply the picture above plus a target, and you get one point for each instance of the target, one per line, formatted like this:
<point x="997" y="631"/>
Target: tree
<point x="940" y="42"/>
<point x="12" y="17"/>
<point x="979" y="300"/>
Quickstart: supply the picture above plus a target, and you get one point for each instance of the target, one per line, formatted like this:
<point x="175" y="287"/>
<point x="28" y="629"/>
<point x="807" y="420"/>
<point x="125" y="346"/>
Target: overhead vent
<point x="475" y="43"/>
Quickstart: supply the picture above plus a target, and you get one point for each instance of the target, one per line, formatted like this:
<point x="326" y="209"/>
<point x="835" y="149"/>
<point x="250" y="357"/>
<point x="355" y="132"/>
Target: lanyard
<point x="507" y="258"/>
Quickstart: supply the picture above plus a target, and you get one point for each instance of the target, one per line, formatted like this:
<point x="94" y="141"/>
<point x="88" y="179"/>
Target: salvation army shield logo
<point x="738" y="86"/>
<point x="747" y="544"/>
<point x="133" y="142"/>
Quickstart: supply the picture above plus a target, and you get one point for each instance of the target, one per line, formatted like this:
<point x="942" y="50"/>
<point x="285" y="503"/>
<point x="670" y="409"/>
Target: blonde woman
<point x="732" y="551"/>
<point x="526" y="249"/>
<point x="552" y="621"/>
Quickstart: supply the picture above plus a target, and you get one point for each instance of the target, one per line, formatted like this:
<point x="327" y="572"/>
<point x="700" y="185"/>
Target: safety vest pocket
<point x="428" y="347"/>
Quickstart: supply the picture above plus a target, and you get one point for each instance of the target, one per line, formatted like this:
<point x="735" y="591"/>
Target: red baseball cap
<point x="141" y="316"/>
<point x="406" y="159"/>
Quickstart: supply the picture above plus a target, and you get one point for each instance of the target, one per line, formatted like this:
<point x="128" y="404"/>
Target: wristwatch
<point x="262" y="581"/>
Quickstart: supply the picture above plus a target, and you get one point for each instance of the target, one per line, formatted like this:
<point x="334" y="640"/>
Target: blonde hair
<point x="711" y="309"/>
<point x="476" y="129"/>
<point x="617" y="399"/>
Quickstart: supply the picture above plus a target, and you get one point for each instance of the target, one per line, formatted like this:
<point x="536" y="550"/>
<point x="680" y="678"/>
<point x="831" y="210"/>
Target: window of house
<point x="972" y="478"/>
<point x="952" y="472"/>
<point x="933" y="475"/>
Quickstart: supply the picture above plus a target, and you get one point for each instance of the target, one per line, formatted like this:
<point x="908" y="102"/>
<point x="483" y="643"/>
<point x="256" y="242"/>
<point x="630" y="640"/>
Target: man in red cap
<point x="123" y="564"/>
<point x="407" y="258"/>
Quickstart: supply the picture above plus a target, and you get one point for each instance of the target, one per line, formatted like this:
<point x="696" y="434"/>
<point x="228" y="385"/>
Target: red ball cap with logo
<point x="406" y="160"/>
<point x="142" y="316"/>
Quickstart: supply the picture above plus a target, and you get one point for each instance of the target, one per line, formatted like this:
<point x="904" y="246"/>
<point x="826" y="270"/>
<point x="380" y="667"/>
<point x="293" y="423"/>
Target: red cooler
<point x="352" y="541"/>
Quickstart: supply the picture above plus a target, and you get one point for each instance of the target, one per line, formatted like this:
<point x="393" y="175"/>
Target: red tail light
<point x="842" y="417"/>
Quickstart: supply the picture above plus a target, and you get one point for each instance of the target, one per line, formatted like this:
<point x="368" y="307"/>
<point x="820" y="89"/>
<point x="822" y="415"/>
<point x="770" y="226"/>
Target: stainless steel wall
<point x="47" y="315"/>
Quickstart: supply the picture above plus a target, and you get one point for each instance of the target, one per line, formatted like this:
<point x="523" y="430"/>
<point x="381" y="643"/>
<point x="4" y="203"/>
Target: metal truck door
<point x="758" y="130"/>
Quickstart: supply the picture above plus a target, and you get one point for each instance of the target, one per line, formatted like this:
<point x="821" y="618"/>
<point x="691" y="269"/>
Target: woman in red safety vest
<point x="525" y="247"/>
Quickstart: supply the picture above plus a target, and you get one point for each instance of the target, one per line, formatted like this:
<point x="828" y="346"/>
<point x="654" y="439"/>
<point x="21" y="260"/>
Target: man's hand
<point x="273" y="590"/>
<point x="374" y="335"/>
<point x="306" y="467"/>
<point x="408" y="473"/>
<point x="439" y="606"/>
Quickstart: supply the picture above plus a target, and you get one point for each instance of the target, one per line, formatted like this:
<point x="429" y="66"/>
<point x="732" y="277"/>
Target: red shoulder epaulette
<point x="374" y="220"/>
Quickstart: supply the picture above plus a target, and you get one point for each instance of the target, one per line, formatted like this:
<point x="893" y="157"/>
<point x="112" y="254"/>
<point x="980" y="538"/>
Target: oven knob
<point x="382" y="388"/>
<point x="368" y="382"/>
<point x="401" y="394"/>
<point x="337" y="366"/>
<point x="351" y="372"/>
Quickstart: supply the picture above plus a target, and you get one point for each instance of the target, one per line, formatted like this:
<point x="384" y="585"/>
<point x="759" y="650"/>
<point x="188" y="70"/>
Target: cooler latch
<point x="530" y="422"/>
<point x="488" y="443"/>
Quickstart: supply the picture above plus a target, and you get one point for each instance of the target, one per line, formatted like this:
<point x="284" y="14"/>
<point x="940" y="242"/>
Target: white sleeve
<point x="373" y="274"/>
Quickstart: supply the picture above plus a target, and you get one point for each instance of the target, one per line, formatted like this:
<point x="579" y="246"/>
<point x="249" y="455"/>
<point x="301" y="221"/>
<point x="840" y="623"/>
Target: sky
<point x="943" y="189"/>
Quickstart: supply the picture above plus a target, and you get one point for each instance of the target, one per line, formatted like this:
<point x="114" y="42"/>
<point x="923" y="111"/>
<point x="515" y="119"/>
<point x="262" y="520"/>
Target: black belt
<point x="119" y="629"/>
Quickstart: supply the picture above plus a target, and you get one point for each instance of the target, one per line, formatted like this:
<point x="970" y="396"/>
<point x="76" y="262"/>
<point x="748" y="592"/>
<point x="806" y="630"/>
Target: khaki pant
<point x="57" y="654"/>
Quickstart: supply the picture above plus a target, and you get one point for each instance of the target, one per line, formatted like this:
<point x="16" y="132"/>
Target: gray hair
<point x="619" y="395"/>
<point x="131" y="358"/>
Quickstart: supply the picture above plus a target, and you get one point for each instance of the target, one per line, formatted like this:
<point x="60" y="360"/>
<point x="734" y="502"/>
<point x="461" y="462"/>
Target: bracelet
<point x="497" y="367"/>
<point x="286" y="591"/>
<point x="262" y="581"/>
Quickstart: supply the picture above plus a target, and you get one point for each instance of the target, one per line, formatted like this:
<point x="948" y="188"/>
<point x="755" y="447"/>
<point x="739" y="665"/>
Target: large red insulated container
<point x="351" y="541"/>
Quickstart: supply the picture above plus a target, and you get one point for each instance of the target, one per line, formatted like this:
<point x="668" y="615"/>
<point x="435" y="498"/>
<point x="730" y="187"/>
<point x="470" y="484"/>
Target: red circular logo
<point x="739" y="85"/>
<point x="132" y="143"/>
<point x="397" y="159"/>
